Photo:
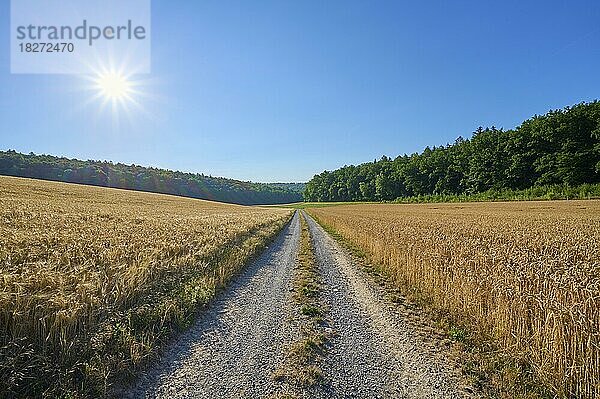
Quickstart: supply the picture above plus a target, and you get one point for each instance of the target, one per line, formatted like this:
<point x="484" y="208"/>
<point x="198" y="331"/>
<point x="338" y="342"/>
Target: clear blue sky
<point x="281" y="90"/>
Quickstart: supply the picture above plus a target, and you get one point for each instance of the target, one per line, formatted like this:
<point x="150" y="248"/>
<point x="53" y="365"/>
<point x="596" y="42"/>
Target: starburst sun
<point x="113" y="86"/>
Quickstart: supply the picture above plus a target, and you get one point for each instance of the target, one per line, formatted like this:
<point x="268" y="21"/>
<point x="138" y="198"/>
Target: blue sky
<point x="281" y="90"/>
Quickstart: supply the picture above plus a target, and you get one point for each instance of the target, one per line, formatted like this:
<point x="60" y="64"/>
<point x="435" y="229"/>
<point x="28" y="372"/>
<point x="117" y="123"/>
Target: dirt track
<point x="238" y="343"/>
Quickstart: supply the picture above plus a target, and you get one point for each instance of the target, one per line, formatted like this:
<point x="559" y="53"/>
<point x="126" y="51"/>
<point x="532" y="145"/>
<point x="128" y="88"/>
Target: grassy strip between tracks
<point x="301" y="368"/>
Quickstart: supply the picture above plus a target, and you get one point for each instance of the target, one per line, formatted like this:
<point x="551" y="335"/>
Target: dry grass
<point x="94" y="280"/>
<point x="525" y="274"/>
<point x="301" y="367"/>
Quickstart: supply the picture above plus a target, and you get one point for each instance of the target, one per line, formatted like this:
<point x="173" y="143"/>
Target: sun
<point x="113" y="86"/>
<point x="118" y="93"/>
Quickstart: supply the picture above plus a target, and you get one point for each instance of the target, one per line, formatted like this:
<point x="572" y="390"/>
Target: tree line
<point x="134" y="177"/>
<point x="561" y="147"/>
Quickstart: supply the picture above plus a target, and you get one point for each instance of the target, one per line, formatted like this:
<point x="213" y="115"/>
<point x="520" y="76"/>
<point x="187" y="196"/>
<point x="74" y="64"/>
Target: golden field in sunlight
<point x="526" y="274"/>
<point x="93" y="280"/>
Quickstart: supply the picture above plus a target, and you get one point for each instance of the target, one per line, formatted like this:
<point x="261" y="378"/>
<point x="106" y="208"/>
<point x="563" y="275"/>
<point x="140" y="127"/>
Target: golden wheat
<point x="92" y="279"/>
<point x="527" y="274"/>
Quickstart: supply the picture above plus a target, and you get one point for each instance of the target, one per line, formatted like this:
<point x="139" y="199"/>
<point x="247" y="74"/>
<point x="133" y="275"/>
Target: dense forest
<point x="108" y="174"/>
<point x="559" y="148"/>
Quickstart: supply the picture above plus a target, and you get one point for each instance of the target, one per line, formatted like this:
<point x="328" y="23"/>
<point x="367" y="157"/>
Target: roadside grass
<point x="491" y="371"/>
<point x="301" y="367"/>
<point x="538" y="193"/>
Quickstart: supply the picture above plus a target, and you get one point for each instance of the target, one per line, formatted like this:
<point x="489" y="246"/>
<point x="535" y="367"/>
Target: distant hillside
<point x="134" y="177"/>
<point x="559" y="148"/>
<point x="295" y="187"/>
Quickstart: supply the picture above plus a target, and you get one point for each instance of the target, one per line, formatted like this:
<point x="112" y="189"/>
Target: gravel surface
<point x="373" y="353"/>
<point x="239" y="341"/>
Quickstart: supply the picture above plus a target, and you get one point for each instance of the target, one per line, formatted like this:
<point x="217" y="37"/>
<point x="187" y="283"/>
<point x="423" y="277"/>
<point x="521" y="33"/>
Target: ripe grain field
<point x="524" y="274"/>
<point x="93" y="280"/>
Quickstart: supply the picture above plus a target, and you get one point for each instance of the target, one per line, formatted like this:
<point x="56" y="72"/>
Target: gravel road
<point x="237" y="344"/>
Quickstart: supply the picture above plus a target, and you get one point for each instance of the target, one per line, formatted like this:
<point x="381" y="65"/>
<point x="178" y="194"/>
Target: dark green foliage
<point x="294" y="187"/>
<point x="561" y="148"/>
<point x="134" y="177"/>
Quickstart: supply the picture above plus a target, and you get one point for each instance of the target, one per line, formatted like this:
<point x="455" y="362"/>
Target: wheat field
<point x="94" y="280"/>
<point x="525" y="273"/>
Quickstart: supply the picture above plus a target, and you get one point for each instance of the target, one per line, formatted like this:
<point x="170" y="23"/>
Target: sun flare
<point x="118" y="92"/>
<point x="113" y="86"/>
